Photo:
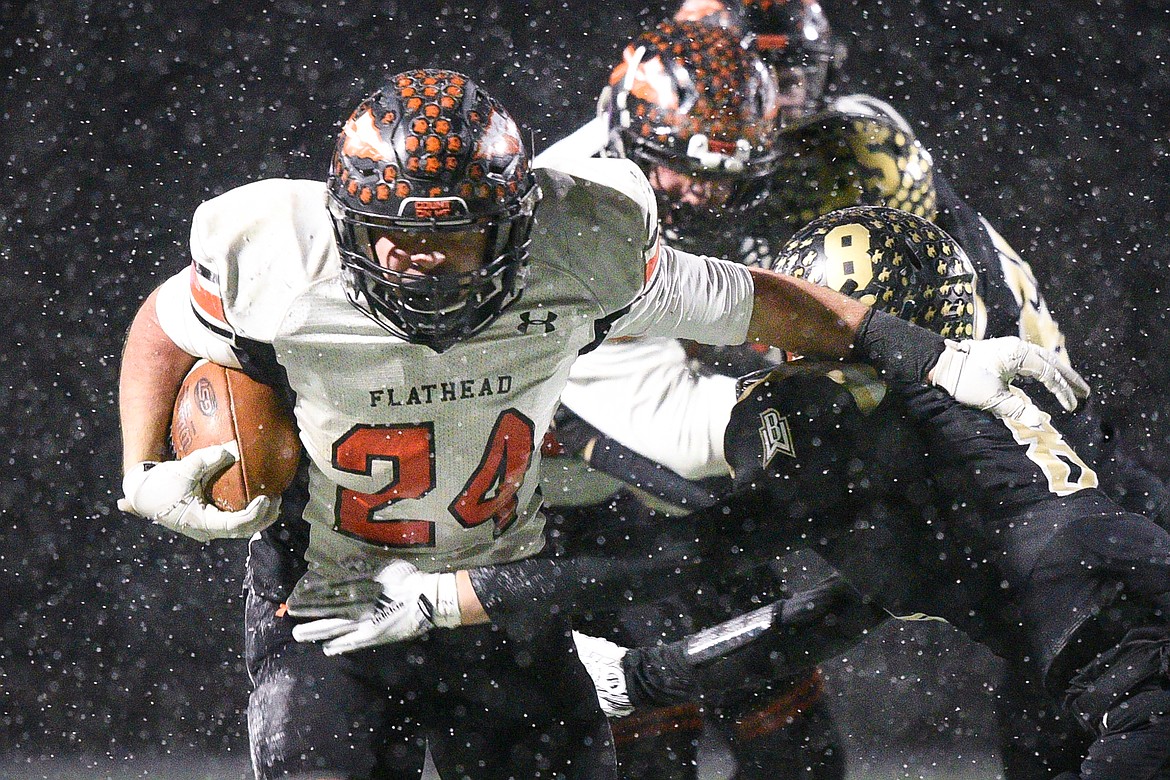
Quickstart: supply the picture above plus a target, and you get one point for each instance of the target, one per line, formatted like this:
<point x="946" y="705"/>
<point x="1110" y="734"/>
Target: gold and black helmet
<point x="891" y="260"/>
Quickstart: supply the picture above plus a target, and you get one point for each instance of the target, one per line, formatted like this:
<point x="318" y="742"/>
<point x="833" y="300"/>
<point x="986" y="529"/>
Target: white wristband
<point x="447" y="613"/>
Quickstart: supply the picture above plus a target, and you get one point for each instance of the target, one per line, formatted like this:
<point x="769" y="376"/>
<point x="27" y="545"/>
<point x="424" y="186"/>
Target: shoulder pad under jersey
<point x="597" y="222"/>
<point x="254" y="249"/>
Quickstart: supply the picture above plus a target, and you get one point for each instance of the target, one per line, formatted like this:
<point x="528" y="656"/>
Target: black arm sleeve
<point x="745" y="653"/>
<point x="900" y="351"/>
<point x="548" y="584"/>
<point x="544" y="585"/>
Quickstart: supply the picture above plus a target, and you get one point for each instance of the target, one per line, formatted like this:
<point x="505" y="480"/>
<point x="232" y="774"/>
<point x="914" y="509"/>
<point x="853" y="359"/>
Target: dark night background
<point x="120" y="642"/>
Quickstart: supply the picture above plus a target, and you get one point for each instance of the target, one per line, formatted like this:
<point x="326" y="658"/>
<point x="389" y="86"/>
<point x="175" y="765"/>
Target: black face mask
<point x="436" y="310"/>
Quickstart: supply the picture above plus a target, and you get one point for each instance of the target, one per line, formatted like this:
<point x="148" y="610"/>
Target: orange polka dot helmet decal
<point x="683" y="79"/>
<point x="793" y="36"/>
<point x="431" y="151"/>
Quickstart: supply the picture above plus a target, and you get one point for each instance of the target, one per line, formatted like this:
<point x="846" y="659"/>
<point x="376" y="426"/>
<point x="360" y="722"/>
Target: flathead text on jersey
<point x="441" y="392"/>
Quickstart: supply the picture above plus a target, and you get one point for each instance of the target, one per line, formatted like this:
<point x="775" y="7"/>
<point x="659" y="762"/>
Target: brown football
<point x="215" y="406"/>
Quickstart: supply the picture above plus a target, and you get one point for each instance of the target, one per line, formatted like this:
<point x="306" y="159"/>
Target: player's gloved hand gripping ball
<point x="237" y="451"/>
<point x="171" y="494"/>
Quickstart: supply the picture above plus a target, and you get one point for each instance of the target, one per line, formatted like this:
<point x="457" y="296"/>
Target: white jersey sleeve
<point x="693" y="297"/>
<point x="597" y="225"/>
<point x="615" y="250"/>
<point x="644" y="394"/>
<point x="253" y="250"/>
<point x="241" y="243"/>
<point x="177" y="317"/>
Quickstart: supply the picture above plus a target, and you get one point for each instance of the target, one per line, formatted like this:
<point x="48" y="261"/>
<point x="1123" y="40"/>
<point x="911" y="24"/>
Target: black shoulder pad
<point x="797" y="437"/>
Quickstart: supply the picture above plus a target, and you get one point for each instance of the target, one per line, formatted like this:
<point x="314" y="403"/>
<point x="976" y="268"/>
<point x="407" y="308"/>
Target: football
<point x="217" y="405"/>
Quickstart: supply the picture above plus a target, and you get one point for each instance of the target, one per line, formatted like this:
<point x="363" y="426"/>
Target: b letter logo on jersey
<point x="775" y="435"/>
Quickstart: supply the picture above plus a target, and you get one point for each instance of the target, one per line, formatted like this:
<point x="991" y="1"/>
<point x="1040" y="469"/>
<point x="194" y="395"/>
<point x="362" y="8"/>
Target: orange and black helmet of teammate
<point x="792" y="36"/>
<point x="689" y="99"/>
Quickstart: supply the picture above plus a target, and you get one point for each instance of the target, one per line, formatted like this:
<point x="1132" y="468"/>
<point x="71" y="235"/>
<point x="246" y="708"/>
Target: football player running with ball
<point x="423" y="308"/>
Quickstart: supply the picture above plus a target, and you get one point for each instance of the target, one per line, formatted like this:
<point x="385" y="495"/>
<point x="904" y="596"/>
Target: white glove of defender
<point x="171" y="494"/>
<point x="603" y="661"/>
<point x="977" y="374"/>
<point x="411" y="603"/>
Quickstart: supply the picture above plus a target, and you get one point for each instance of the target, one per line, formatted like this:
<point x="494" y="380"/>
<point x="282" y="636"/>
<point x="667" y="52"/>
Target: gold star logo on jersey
<point x="775" y="435"/>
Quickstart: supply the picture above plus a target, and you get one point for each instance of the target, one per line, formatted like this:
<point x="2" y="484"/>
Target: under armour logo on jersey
<point x="527" y="321"/>
<point x="775" y="435"/>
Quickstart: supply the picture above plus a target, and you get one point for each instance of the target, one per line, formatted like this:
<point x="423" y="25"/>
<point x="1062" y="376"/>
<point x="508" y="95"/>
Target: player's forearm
<point x="557" y="586"/>
<point x="801" y="317"/>
<point x="749" y="651"/>
<point x="723" y="537"/>
<point x="152" y="369"/>
<point x="470" y="607"/>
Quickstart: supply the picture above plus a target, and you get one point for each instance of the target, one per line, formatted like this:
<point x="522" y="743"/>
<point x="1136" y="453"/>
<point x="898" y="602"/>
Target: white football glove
<point x="603" y="661"/>
<point x="977" y="374"/>
<point x="171" y="494"/>
<point x="411" y="603"/>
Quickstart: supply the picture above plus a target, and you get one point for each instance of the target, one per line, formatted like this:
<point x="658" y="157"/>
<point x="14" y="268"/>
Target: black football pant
<point x="488" y="705"/>
<point x="1135" y="754"/>
<point x="778" y="730"/>
<point x="1135" y="747"/>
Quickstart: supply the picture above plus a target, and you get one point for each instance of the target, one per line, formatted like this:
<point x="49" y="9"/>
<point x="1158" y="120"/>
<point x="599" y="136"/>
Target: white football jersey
<point x="423" y="455"/>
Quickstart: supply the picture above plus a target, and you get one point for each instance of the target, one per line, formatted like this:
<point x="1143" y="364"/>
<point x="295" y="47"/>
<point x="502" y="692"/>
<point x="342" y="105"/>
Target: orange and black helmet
<point x="793" y="36"/>
<point x="686" y="96"/>
<point x="432" y="152"/>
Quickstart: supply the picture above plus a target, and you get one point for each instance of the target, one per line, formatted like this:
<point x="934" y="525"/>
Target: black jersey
<point x="939" y="509"/>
